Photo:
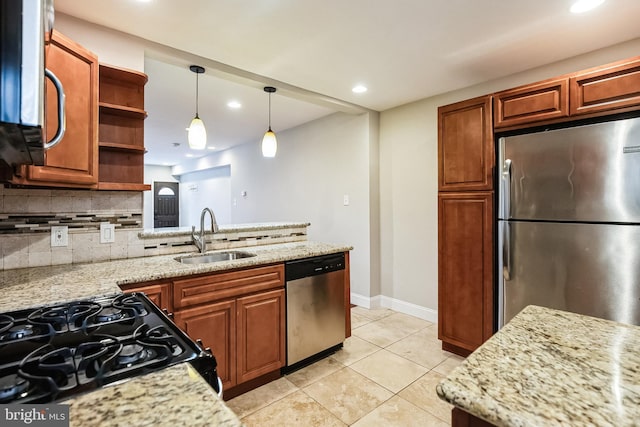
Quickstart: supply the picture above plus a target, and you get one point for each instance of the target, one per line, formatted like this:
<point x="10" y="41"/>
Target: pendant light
<point x="269" y="142"/>
<point x="197" y="132"/>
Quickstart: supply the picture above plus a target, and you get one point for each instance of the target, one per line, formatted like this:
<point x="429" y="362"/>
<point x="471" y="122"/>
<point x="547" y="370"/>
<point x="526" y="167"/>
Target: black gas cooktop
<point x="51" y="353"/>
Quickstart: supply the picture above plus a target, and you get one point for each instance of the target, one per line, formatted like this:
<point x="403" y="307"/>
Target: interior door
<point x="166" y="204"/>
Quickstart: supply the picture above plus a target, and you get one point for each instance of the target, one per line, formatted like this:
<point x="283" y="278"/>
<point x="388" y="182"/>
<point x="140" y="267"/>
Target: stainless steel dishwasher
<point x="315" y="308"/>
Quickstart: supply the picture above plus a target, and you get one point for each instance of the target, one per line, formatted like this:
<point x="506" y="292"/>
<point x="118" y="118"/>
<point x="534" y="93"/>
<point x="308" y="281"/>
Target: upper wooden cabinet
<point x="74" y="161"/>
<point x="121" y="131"/>
<point x="532" y="103"/>
<point x="465" y="146"/>
<point x="606" y="89"/>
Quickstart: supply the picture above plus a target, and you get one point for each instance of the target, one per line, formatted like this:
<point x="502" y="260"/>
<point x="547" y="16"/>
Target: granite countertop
<point x="550" y="368"/>
<point x="223" y="228"/>
<point x="32" y="287"/>
<point x="162" y="398"/>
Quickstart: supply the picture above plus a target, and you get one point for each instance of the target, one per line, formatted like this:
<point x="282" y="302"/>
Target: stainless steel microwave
<point x="24" y="25"/>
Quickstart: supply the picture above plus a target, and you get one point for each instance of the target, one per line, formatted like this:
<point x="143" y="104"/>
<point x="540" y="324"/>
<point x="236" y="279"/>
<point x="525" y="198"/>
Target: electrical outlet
<point x="107" y="232"/>
<point x="345" y="200"/>
<point x="59" y="235"/>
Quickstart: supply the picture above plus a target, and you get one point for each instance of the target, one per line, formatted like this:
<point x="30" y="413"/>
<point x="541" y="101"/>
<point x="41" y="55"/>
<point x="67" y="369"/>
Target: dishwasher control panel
<point x="313" y="266"/>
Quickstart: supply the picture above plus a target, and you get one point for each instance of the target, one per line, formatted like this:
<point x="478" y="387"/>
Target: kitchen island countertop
<point x="550" y="368"/>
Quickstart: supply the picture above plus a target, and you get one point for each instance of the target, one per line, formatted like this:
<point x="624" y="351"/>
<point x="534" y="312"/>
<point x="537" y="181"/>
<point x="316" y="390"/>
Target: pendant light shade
<point x="269" y="142"/>
<point x="197" y="131"/>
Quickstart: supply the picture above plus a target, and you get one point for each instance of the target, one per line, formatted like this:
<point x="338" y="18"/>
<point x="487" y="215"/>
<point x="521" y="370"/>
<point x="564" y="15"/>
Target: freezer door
<point x="591" y="269"/>
<point x="586" y="173"/>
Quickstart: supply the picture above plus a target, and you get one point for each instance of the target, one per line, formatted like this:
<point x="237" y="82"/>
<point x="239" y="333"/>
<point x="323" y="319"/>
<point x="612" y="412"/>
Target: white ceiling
<point x="403" y="50"/>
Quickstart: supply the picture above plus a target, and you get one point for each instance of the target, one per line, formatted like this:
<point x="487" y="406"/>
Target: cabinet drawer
<point x="543" y="101"/>
<point x="606" y="89"/>
<point x="199" y="290"/>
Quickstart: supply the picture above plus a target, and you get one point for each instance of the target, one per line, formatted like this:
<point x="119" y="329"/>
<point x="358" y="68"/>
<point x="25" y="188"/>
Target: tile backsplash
<point x="26" y="217"/>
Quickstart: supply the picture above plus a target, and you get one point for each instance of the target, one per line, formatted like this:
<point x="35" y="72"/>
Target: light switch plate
<point x="59" y="235"/>
<point x="107" y="232"/>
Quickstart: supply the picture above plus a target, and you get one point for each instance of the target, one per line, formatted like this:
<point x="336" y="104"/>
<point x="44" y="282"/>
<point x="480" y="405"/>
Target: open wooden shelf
<point x="120" y="110"/>
<point x="121" y="147"/>
<point x="121" y="129"/>
<point x="123" y="186"/>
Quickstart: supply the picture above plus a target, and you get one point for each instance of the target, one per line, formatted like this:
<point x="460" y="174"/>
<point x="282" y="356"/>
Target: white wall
<point x="408" y="178"/>
<point x="112" y="47"/>
<point x="209" y="188"/>
<point x="316" y="165"/>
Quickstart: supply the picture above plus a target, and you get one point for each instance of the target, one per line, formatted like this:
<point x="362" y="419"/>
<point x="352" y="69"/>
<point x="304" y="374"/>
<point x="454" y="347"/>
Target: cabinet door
<point x="74" y="161"/>
<point x="261" y="334"/>
<point x="465" y="269"/>
<point x="606" y="89"/>
<point x="465" y="146"/>
<point x="532" y="103"/>
<point x="159" y="293"/>
<point x="215" y="325"/>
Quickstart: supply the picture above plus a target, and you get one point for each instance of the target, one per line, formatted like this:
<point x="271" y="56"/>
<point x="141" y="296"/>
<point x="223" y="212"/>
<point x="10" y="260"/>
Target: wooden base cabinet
<point x="260" y="335"/>
<point x="158" y="292"/>
<point x="215" y="325"/>
<point x="240" y="315"/>
<point x="465" y="270"/>
<point x="466" y="160"/>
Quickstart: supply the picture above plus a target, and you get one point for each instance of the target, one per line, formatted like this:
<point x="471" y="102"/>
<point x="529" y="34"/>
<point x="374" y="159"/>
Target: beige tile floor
<point x="385" y="375"/>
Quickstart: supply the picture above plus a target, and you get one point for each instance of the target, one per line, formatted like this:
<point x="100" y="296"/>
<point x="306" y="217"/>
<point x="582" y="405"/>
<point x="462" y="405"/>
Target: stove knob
<point x="199" y="342"/>
<point x="208" y="350"/>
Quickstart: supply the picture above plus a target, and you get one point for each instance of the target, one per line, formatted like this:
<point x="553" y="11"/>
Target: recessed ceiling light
<point x="234" y="105"/>
<point x="211" y="147"/>
<point x="581" y="6"/>
<point x="359" y="89"/>
<point x="189" y="155"/>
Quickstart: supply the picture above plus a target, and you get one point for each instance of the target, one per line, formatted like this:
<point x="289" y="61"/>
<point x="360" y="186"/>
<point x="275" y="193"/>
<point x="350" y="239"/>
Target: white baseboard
<point x="400" y="306"/>
<point x="360" y="300"/>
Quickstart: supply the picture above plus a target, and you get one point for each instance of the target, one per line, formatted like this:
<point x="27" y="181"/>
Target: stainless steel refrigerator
<point x="569" y="221"/>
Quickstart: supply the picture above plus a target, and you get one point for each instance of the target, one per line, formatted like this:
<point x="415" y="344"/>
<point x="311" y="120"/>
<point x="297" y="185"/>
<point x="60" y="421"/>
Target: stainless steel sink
<point x="214" y="257"/>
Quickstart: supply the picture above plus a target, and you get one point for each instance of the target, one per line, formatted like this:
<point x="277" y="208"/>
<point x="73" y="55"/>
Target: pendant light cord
<point x="269" y="111"/>
<point x="197" y="101"/>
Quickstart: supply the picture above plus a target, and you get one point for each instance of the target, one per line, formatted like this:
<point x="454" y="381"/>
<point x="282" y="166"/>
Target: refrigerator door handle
<point x="506" y="189"/>
<point x="506" y="251"/>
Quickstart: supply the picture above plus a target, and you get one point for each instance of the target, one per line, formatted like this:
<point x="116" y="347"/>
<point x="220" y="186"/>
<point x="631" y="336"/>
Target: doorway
<point x="166" y="204"/>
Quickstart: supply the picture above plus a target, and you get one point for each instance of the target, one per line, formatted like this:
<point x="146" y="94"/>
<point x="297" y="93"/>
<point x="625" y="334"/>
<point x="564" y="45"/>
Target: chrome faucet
<point x="200" y="240"/>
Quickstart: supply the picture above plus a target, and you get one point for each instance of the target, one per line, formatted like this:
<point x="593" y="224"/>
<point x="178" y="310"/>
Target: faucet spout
<point x="200" y="240"/>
